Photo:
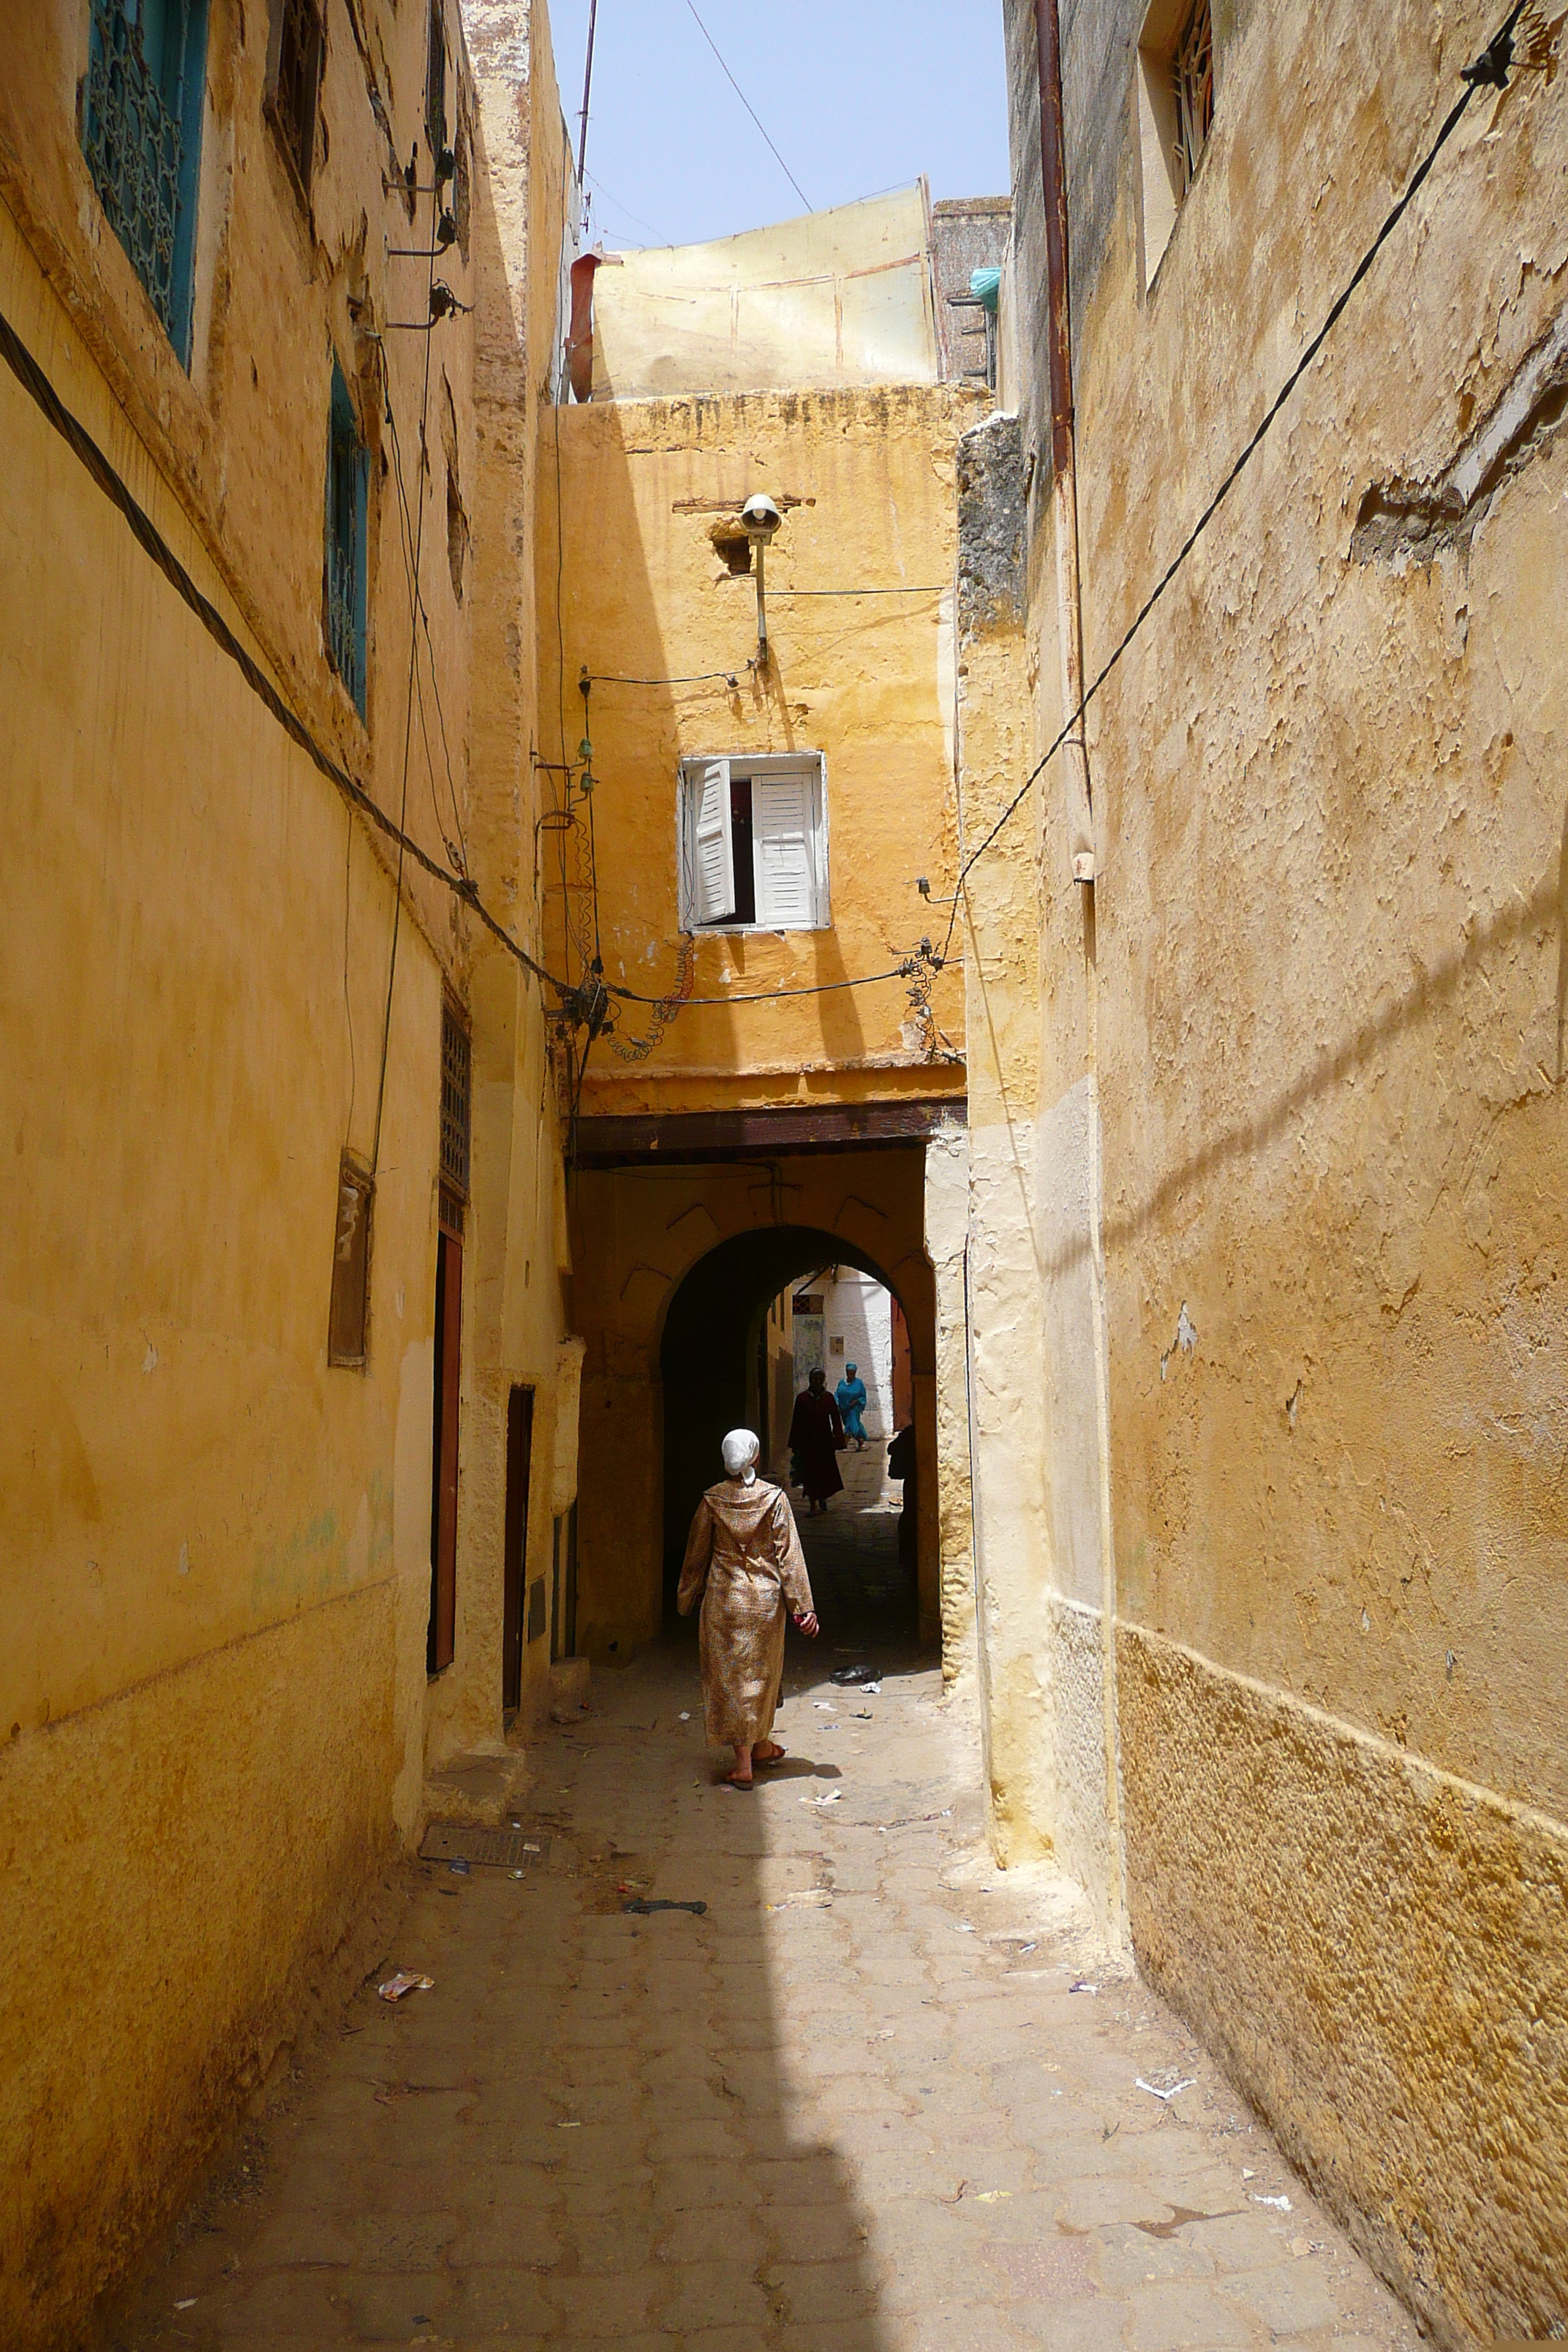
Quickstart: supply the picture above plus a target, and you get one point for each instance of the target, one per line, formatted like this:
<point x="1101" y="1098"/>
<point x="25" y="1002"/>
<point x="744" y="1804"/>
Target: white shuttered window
<point x="753" y="844"/>
<point x="713" y="853"/>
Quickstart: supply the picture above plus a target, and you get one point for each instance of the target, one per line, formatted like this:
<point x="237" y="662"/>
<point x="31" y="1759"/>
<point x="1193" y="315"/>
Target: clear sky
<point x="857" y="95"/>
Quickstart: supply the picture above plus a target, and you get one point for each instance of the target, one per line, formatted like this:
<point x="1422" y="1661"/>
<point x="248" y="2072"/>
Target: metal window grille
<point x="133" y="139"/>
<point x="1191" y="75"/>
<point x="457" y="1081"/>
<point x="348" y="483"/>
<point x="296" y="70"/>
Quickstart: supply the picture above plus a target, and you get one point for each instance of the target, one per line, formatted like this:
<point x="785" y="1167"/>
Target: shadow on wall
<point x="707" y="1358"/>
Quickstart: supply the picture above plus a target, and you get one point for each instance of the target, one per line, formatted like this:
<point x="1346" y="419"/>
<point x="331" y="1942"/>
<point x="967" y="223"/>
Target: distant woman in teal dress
<point x="850" y="1398"/>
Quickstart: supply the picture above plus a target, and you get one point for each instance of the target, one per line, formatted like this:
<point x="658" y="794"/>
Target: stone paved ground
<point x="855" y="2107"/>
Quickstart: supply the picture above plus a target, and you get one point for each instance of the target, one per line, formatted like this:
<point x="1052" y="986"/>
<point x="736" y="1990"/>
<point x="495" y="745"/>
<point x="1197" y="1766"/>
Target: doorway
<point x="441" y="1637"/>
<point x="737" y="1332"/>
<point x="564" y="1588"/>
<point x="514" y="1584"/>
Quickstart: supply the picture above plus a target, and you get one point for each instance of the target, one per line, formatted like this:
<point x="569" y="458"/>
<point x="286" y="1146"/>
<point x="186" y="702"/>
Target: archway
<point x="707" y="1356"/>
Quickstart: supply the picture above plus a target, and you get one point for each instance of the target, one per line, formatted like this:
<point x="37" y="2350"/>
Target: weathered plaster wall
<point x="1323" y="1029"/>
<point x="216" y="1555"/>
<point x="1005" y="1367"/>
<point x="516" y="1248"/>
<point x="866" y="680"/>
<point x="946" y="1241"/>
<point x="192" y="1499"/>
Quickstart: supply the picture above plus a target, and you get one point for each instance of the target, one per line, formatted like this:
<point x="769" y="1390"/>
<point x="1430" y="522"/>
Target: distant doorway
<point x="518" y="1464"/>
<point x="441" y="1636"/>
<point x="564" y="1588"/>
<point x="731" y="1356"/>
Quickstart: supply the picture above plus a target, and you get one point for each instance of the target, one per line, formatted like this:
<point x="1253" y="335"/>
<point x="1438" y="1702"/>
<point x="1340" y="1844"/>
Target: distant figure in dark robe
<point x="816" y="1437"/>
<point x="851" y="1400"/>
<point x="901" y="1464"/>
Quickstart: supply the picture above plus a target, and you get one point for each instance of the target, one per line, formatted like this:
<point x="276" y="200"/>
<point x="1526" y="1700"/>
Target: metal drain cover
<point x="496" y="1849"/>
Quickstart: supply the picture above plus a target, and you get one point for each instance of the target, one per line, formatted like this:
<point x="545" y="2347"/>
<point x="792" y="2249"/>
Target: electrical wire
<point x="772" y="995"/>
<point x="1490" y="69"/>
<point x="599" y="188"/>
<point x="699" y="678"/>
<point x="150" y="539"/>
<point x="752" y="110"/>
<point x="460" y="851"/>
<point x="774" y="593"/>
<point x="407" y="710"/>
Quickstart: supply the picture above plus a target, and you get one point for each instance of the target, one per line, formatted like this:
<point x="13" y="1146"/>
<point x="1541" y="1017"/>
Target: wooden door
<point x="442" y="1637"/>
<point x="519" y="1454"/>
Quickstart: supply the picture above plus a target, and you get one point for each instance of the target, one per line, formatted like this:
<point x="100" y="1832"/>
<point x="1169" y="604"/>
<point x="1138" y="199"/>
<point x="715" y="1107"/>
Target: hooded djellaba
<point x="744" y="1563"/>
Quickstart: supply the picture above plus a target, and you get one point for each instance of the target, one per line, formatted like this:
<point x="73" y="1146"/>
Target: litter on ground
<point x="395" y="1986"/>
<point x="1155" y="2089"/>
<point x="1281" y="2204"/>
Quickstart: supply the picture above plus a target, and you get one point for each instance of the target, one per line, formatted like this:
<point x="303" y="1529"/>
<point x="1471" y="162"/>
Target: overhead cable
<point x="752" y="110"/>
<point x="776" y="593"/>
<point x="150" y="539"/>
<point x="905" y="970"/>
<point x="1489" y="69"/>
<point x="699" y="677"/>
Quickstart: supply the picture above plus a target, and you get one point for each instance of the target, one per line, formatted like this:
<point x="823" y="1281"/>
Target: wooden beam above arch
<point x="693" y="1135"/>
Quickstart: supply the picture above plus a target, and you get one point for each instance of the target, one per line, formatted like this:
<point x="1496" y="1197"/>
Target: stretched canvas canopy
<point x="838" y="298"/>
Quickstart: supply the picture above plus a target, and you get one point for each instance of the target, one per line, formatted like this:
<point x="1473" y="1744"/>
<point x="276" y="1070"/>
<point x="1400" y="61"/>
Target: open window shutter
<point x="713" y="864"/>
<point x="783" y="839"/>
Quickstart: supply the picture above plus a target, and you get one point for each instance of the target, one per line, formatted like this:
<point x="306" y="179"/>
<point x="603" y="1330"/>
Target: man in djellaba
<point x="744" y="1564"/>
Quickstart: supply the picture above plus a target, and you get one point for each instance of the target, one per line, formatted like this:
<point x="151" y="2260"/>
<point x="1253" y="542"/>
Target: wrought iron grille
<point x="457" y="1066"/>
<point x="135" y="151"/>
<point x="1192" y="71"/>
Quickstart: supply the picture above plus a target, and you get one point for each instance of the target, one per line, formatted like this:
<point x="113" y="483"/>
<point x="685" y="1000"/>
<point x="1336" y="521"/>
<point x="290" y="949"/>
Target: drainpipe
<point x="1064" y="474"/>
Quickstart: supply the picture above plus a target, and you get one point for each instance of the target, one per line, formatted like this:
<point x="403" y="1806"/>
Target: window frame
<point x="750" y="766"/>
<point x="1167" y="172"/>
<point x="302" y="169"/>
<point x="181" y="96"/>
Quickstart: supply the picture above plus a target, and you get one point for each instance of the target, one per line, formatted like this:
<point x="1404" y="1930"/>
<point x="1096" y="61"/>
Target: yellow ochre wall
<point x="1297" y="1138"/>
<point x="215" y="1566"/>
<point x="868" y="680"/>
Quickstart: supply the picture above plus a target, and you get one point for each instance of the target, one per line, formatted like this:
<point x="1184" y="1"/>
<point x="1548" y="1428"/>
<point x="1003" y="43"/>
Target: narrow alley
<point x="876" y="2097"/>
<point x="775" y="761"/>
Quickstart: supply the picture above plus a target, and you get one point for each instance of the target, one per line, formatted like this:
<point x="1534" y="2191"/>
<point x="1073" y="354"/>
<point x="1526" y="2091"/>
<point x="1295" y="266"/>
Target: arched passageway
<point x="674" y="1264"/>
<point x="709" y="1365"/>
